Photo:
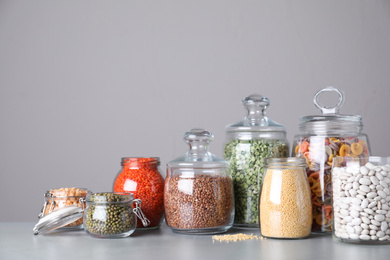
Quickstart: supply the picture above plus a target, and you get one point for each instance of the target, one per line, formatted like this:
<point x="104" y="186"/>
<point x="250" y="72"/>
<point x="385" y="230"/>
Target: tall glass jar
<point x="141" y="176"/>
<point x="198" y="195"/>
<point x="249" y="142"/>
<point x="361" y="200"/>
<point x="285" y="201"/>
<point x="322" y="138"/>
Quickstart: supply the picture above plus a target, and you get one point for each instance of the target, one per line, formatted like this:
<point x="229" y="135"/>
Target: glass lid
<point x="256" y="119"/>
<point x="198" y="155"/>
<point x="330" y="120"/>
<point x="57" y="219"/>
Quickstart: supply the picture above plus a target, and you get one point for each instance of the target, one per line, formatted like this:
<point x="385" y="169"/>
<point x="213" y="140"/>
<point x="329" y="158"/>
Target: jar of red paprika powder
<point x="141" y="176"/>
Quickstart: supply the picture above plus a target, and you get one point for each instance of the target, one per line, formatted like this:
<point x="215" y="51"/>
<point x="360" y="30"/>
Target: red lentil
<point x="141" y="177"/>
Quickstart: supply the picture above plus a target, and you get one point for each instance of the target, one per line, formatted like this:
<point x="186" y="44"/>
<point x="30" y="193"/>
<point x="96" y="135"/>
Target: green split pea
<point x="246" y="159"/>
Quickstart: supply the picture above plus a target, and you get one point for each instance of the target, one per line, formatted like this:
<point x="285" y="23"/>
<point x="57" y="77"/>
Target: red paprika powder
<point x="141" y="177"/>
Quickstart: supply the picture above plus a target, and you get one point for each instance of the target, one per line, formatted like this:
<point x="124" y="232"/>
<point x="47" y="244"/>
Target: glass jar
<point x="141" y="176"/>
<point x="111" y="214"/>
<point x="322" y="138"/>
<point x="361" y="200"/>
<point x="198" y="196"/>
<point x="55" y="199"/>
<point x="249" y="142"/>
<point x="285" y="201"/>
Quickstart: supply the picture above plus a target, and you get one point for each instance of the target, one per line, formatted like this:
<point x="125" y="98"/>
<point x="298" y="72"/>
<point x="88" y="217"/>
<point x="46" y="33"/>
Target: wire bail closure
<point x="138" y="212"/>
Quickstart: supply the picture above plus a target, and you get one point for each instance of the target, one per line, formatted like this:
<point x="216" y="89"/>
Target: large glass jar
<point x="198" y="196"/>
<point x="285" y="201"/>
<point x="322" y="138"/>
<point x="111" y="214"/>
<point x="361" y="200"/>
<point x="249" y="142"/>
<point x="141" y="176"/>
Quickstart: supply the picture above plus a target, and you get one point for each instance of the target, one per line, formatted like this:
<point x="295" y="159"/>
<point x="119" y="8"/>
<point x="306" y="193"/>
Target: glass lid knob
<point x="256" y="106"/>
<point x="325" y="109"/>
<point x="198" y="139"/>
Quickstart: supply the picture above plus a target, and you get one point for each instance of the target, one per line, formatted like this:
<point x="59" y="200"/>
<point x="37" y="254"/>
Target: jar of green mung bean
<point x="248" y="143"/>
<point x="112" y="214"/>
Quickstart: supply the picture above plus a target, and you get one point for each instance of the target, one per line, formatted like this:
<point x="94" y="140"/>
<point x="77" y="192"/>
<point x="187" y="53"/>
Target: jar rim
<point x="50" y="193"/>
<point x="286" y="162"/>
<point x="140" y="160"/>
<point x="110" y="197"/>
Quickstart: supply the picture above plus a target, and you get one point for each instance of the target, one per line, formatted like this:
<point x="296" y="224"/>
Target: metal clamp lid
<point x="57" y="219"/>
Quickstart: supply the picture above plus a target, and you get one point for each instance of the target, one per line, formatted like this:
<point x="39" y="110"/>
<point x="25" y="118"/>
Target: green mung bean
<point x="108" y="214"/>
<point x="246" y="163"/>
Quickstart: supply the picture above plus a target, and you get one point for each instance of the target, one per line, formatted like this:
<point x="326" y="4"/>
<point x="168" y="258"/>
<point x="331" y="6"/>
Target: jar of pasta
<point x="285" y="201"/>
<point x="323" y="138"/>
<point x="141" y="176"/>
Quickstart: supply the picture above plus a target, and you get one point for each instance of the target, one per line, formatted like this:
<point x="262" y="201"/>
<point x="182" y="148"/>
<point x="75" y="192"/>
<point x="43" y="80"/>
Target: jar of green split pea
<point x="248" y="143"/>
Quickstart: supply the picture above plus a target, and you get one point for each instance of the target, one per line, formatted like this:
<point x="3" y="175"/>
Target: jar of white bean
<point x="361" y="200"/>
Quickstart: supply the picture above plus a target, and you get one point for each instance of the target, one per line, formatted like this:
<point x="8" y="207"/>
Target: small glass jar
<point x="249" y="142"/>
<point x="285" y="201"/>
<point x="55" y="199"/>
<point x="322" y="138"/>
<point x="141" y="176"/>
<point x="361" y="200"/>
<point x="111" y="214"/>
<point x="198" y="195"/>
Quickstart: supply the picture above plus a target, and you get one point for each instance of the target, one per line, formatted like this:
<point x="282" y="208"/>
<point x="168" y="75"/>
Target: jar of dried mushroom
<point x="249" y="142"/>
<point x="198" y="194"/>
<point x="323" y="138"/>
<point x="285" y="201"/>
<point x="55" y="199"/>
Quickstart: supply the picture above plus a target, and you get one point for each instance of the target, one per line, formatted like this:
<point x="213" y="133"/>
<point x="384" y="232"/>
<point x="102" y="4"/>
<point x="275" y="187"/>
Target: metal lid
<point x="256" y="119"/>
<point x="331" y="121"/>
<point x="58" y="219"/>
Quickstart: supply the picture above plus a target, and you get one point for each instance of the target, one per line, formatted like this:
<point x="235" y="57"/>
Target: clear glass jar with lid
<point x="323" y="138"/>
<point x="56" y="199"/>
<point x="248" y="143"/>
<point x="361" y="200"/>
<point x="111" y="214"/>
<point x="198" y="194"/>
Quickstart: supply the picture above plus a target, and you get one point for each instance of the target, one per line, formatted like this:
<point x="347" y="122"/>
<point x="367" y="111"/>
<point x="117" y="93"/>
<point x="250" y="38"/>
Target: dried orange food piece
<point x="344" y="150"/>
<point x="304" y="147"/>
<point x="356" y="148"/>
<point x="320" y="220"/>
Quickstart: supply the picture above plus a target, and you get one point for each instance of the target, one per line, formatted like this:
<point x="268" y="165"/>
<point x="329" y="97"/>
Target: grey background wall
<point x="84" y="83"/>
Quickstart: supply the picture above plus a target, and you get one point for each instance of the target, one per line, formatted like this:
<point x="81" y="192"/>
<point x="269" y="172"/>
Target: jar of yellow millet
<point x="285" y="209"/>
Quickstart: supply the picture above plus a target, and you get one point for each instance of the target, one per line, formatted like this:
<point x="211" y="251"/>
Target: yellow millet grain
<point x="235" y="237"/>
<point x="285" y="204"/>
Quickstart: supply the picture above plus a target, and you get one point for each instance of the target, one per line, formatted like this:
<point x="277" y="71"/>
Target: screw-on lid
<point x="330" y="121"/>
<point x="198" y="155"/>
<point x="57" y="219"/>
<point x="256" y="119"/>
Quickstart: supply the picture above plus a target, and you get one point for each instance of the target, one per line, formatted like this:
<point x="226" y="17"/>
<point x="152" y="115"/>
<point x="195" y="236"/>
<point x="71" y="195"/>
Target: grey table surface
<point x="18" y="242"/>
